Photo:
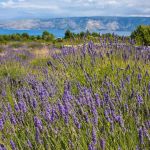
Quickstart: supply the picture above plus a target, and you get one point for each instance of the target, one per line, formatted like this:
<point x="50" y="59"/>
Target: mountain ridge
<point x="96" y="23"/>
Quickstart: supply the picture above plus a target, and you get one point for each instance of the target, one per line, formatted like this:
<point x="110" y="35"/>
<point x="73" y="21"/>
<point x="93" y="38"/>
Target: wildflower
<point x="139" y="99"/>
<point x="2" y="147"/>
<point x="140" y="132"/>
<point x="94" y="136"/>
<point x="29" y="143"/>
<point x="1" y="124"/>
<point x="145" y="133"/>
<point x="76" y="122"/>
<point x="120" y="120"/>
<point x="38" y="123"/>
<point x="126" y="107"/>
<point x="34" y="103"/>
<point x="22" y="106"/>
<point x="17" y="107"/>
<point x="86" y="117"/>
<point x="13" y="119"/>
<point x="102" y="144"/>
<point x="97" y="100"/>
<point x="13" y="146"/>
<point x="37" y="135"/>
<point x="91" y="146"/>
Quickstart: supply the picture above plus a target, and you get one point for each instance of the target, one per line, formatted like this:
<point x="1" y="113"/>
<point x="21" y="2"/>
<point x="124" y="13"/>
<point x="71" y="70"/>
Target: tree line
<point x="46" y="36"/>
<point x="141" y="36"/>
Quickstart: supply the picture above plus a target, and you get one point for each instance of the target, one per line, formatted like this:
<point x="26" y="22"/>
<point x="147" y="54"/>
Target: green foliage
<point x="25" y="36"/>
<point x="68" y="34"/>
<point x="47" y="36"/>
<point x="142" y="35"/>
<point x="12" y="70"/>
<point x="39" y="62"/>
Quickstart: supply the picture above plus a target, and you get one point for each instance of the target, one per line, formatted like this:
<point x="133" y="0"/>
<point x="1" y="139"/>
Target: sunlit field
<point x="89" y="95"/>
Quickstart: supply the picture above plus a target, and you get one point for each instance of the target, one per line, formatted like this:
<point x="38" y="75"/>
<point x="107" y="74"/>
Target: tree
<point x="47" y="36"/>
<point x="68" y="34"/>
<point x="15" y="37"/>
<point x="25" y="36"/>
<point x="141" y="35"/>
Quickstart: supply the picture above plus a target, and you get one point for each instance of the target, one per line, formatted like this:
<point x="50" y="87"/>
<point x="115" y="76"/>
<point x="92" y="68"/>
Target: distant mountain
<point x="79" y="23"/>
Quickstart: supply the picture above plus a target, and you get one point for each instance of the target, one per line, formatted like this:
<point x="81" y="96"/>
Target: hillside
<point x="78" y="23"/>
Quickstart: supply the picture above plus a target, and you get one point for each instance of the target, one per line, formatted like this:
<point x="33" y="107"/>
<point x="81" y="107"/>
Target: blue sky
<point x="10" y="9"/>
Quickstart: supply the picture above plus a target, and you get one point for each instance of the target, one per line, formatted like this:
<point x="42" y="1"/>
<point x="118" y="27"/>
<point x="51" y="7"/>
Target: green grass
<point x="13" y="70"/>
<point x="90" y="74"/>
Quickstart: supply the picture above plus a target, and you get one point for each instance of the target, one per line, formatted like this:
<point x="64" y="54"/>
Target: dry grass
<point x="41" y="53"/>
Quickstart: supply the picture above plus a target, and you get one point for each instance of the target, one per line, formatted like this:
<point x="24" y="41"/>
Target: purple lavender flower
<point x="128" y="79"/>
<point x="13" y="119"/>
<point x="97" y="100"/>
<point x="38" y="123"/>
<point x="29" y="143"/>
<point x="120" y="120"/>
<point x="147" y="124"/>
<point x="140" y="132"/>
<point x="95" y="114"/>
<point x="126" y="107"/>
<point x="3" y="93"/>
<point x="112" y="127"/>
<point x="139" y="99"/>
<point x="9" y="107"/>
<point x="17" y="107"/>
<point x="22" y="106"/>
<point x="107" y="116"/>
<point x="1" y="124"/>
<point x="61" y="109"/>
<point x="137" y="147"/>
<point x="145" y="133"/>
<point x="102" y="144"/>
<point x="94" y="140"/>
<point x="53" y="114"/>
<point x="47" y="116"/>
<point x="86" y="117"/>
<point x="91" y="146"/>
<point x="37" y="135"/>
<point x="139" y="77"/>
<point x="76" y="122"/>
<point x="106" y="97"/>
<point x="34" y="103"/>
<point x="13" y="145"/>
<point x="2" y="147"/>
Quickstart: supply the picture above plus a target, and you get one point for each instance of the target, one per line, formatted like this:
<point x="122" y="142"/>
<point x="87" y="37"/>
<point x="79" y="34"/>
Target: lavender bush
<point x="93" y="96"/>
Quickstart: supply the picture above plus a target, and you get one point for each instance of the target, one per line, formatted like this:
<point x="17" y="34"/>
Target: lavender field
<point x="89" y="96"/>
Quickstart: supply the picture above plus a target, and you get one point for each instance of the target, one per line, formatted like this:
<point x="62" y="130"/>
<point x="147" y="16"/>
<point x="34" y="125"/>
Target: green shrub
<point x="141" y="35"/>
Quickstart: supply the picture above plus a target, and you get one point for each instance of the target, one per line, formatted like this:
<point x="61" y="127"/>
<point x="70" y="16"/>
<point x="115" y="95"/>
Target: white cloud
<point x="8" y="3"/>
<point x="94" y="25"/>
<point x="26" y="5"/>
<point x="60" y="8"/>
<point x="112" y="26"/>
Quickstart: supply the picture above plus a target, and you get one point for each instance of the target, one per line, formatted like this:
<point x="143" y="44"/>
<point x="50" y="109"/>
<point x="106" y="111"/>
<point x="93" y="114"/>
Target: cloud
<point x="23" y="4"/>
<point x="112" y="26"/>
<point x="8" y="3"/>
<point x="94" y="25"/>
<point x="61" y="8"/>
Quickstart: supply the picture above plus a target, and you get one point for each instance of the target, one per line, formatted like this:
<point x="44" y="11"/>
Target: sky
<point x="22" y="9"/>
